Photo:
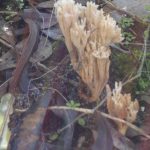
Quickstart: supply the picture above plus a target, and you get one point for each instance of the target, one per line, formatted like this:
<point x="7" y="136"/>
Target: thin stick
<point x="91" y="111"/>
<point x="139" y="72"/>
<point x="142" y="132"/>
<point x="6" y="43"/>
<point x="51" y="88"/>
<point x="8" y="12"/>
<point x="71" y="123"/>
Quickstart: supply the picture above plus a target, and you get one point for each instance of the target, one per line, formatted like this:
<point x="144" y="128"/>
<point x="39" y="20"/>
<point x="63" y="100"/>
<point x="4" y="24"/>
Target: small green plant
<point x="73" y="104"/>
<point x="143" y="84"/>
<point x="81" y="121"/>
<point x="128" y="37"/>
<point x="126" y="22"/>
<point x="54" y="136"/>
<point x="20" y="3"/>
<point x="17" y="4"/>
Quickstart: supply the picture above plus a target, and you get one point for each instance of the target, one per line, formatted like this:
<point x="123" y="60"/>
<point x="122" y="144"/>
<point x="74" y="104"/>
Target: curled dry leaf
<point x="88" y="33"/>
<point x="121" y="106"/>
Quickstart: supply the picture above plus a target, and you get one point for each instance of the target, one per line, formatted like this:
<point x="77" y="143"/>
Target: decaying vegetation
<point x="59" y="63"/>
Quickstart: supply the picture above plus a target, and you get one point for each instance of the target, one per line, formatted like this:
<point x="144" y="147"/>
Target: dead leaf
<point x="46" y="4"/>
<point x="7" y="35"/>
<point x="104" y="138"/>
<point x="44" y="50"/>
<point x="144" y="145"/>
<point x="67" y="116"/>
<point x="8" y="61"/>
<point x="30" y="130"/>
<point x="48" y="20"/>
<point x="45" y="20"/>
<point x="53" y="33"/>
<point x="120" y="141"/>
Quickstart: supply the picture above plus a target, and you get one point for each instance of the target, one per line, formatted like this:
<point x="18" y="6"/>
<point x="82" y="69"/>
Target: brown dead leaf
<point x="31" y="127"/>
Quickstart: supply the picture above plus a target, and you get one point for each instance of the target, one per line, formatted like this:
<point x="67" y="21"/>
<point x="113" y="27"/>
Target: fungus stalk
<point x="88" y="33"/>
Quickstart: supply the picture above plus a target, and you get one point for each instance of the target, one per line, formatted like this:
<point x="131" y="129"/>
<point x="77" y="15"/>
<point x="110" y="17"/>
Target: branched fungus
<point x="88" y="33"/>
<point x="121" y="106"/>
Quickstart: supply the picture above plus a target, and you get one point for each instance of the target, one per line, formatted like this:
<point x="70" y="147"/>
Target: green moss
<point x="128" y="64"/>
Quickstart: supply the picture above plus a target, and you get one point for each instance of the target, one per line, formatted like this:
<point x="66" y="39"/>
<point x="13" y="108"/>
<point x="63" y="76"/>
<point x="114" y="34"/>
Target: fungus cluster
<point x="88" y="33"/>
<point x="121" y="106"/>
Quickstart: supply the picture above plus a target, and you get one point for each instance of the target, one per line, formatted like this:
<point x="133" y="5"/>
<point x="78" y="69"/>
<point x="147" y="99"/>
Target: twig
<point x="49" y="26"/>
<point x="142" y="132"/>
<point x="91" y="111"/>
<point x="6" y="43"/>
<point x="134" y="43"/>
<point x="83" y="110"/>
<point x="51" y="88"/>
<point x="71" y="123"/>
<point x="120" y="49"/>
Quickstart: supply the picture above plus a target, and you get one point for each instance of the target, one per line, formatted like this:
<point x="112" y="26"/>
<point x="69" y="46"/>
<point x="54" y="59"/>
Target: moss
<point x="127" y="64"/>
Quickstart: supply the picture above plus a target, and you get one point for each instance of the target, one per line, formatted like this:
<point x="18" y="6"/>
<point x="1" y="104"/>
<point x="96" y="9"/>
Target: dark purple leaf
<point x="104" y="138"/>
